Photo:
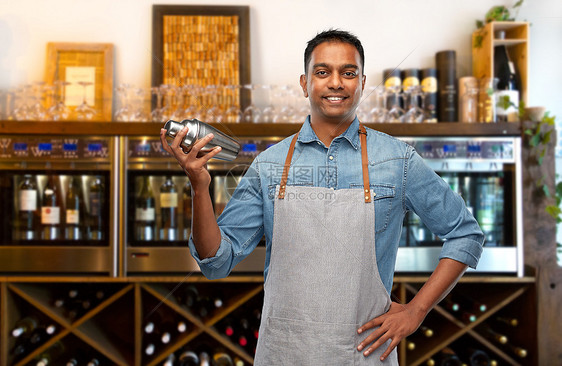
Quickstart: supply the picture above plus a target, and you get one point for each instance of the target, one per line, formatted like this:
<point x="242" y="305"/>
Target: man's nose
<point x="335" y="81"/>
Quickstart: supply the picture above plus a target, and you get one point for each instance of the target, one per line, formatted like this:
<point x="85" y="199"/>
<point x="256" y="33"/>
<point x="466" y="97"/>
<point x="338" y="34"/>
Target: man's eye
<point x="321" y="72"/>
<point x="350" y="74"/>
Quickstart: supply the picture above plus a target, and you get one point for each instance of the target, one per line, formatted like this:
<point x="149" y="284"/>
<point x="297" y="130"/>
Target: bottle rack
<point x="112" y="329"/>
<point x="501" y="299"/>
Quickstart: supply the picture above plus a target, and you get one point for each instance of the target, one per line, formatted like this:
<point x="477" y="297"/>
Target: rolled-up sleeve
<point x="241" y="227"/>
<point x="443" y="211"/>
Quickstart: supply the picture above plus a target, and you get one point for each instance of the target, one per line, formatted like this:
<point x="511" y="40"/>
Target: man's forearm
<point x="206" y="233"/>
<point x="439" y="284"/>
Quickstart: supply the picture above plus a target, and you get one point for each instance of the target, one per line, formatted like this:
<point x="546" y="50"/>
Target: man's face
<point x="334" y="82"/>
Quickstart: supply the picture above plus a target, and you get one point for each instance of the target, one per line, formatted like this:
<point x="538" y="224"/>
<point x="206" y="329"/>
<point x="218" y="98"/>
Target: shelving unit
<point x="112" y="330"/>
<point x="517" y="42"/>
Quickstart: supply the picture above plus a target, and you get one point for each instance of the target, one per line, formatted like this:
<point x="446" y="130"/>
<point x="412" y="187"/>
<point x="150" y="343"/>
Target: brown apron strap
<point x="364" y="165"/>
<point x="285" y="175"/>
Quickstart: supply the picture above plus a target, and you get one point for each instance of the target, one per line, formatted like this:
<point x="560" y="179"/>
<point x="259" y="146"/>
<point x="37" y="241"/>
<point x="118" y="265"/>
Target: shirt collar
<point x="307" y="134"/>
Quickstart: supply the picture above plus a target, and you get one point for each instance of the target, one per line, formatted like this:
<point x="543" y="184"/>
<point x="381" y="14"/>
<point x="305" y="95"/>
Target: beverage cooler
<point x="56" y="205"/>
<point x="157" y="207"/>
<point x="486" y="172"/>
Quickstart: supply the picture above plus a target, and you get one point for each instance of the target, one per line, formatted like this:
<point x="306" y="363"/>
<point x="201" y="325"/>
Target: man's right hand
<point x="193" y="163"/>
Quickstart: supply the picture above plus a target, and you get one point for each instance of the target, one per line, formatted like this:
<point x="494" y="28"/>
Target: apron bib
<point x="323" y="281"/>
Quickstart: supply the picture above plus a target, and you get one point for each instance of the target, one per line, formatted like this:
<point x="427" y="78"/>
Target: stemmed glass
<point x="269" y="111"/>
<point x="213" y="107"/>
<point x="139" y="112"/>
<point x="190" y="101"/>
<point x="156" y="114"/>
<point x="395" y="113"/>
<point x="37" y="111"/>
<point x="22" y="110"/>
<point x="415" y="113"/>
<point x="233" y="113"/>
<point x="252" y="113"/>
<point x="58" y="110"/>
<point x="124" y="113"/>
<point x="84" y="111"/>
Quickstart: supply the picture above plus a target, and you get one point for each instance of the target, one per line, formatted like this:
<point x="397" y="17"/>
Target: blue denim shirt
<point x="398" y="175"/>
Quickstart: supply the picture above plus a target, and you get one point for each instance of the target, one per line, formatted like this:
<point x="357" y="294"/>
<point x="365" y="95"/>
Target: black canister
<point x="447" y="86"/>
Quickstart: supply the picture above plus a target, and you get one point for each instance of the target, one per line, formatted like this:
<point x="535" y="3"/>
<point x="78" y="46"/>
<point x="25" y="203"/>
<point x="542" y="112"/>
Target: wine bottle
<point x="74" y="213"/>
<point x="27" y="210"/>
<point x="507" y="90"/>
<point x="410" y="346"/>
<point x="450" y="305"/>
<point x="448" y="357"/>
<point x="42" y="334"/>
<point x="24" y="326"/>
<point x="221" y="358"/>
<point x="170" y="360"/>
<point x="145" y="217"/>
<point x="492" y="334"/>
<point x="187" y="295"/>
<point x="188" y="358"/>
<point x="204" y="359"/>
<point x="186" y="200"/>
<point x="512" y="322"/>
<point x="168" y="210"/>
<point x="518" y="351"/>
<point x="51" y="210"/>
<point x="96" y="216"/>
<point x="478" y="357"/>
<point x="470" y="303"/>
<point x="237" y="361"/>
<point x="426" y="331"/>
<point x="93" y="362"/>
<point x="50" y="355"/>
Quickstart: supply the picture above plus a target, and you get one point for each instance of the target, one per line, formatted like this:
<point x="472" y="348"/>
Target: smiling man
<point x="320" y="197"/>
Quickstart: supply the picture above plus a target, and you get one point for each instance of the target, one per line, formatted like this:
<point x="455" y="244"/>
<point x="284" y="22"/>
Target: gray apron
<point x="323" y="280"/>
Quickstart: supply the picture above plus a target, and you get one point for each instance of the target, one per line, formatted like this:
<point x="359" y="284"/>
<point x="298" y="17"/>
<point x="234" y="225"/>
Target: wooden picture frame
<point x="97" y="59"/>
<point x="202" y="45"/>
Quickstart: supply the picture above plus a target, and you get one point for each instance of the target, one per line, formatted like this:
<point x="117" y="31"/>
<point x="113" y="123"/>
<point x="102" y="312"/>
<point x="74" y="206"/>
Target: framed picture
<point x="87" y="69"/>
<point x="201" y="46"/>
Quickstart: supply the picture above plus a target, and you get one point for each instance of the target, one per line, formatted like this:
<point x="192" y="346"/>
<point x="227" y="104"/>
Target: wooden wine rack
<point x="112" y="330"/>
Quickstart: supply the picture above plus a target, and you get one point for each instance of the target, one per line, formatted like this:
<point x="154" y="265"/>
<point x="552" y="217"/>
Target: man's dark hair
<point x="333" y="35"/>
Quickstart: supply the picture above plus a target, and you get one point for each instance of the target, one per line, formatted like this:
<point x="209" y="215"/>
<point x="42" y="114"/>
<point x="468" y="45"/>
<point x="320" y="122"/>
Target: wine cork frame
<point x="98" y="57"/>
<point x="201" y="46"/>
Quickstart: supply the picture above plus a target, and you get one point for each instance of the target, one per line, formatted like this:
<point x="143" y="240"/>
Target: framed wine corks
<point x="201" y="46"/>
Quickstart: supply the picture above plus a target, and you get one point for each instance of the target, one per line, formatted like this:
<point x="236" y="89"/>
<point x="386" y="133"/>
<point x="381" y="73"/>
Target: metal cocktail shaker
<point x="198" y="130"/>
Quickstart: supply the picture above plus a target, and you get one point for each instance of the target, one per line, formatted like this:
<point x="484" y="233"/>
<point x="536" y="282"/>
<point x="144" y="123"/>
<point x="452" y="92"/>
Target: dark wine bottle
<point x="41" y="334"/>
<point x="170" y="360"/>
<point x="512" y="322"/>
<point x="145" y="216"/>
<point x="24" y="326"/>
<point x="495" y="336"/>
<point x="93" y="362"/>
<point x="469" y="303"/>
<point x="74" y="213"/>
<point x="51" y="354"/>
<point x="187" y="295"/>
<point x="426" y="331"/>
<point x="186" y="213"/>
<point x="448" y="357"/>
<point x="96" y="216"/>
<point x="516" y="350"/>
<point x="188" y="358"/>
<point x="28" y="212"/>
<point x="507" y="91"/>
<point x="51" y="210"/>
<point x="450" y="305"/>
<point x="168" y="210"/>
<point x="221" y="358"/>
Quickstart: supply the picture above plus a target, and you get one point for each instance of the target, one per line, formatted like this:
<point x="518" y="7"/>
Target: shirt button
<point x="331" y="157"/>
<point x="318" y="142"/>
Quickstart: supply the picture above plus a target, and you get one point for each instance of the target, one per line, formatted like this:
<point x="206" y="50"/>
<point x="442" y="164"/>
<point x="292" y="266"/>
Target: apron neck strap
<point x="364" y="164"/>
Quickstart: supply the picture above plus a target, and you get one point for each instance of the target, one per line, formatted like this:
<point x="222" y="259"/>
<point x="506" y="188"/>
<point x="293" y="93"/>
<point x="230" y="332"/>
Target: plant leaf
<point x="535" y="140"/>
<point x="546" y="190"/>
<point x="554" y="211"/>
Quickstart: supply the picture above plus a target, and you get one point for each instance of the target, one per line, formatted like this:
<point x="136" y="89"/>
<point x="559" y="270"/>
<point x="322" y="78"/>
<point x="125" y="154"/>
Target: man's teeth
<point x="335" y="98"/>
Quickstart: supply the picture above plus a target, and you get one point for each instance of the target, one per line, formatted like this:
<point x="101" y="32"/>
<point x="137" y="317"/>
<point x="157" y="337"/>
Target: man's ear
<point x="363" y="82"/>
<point x="303" y="85"/>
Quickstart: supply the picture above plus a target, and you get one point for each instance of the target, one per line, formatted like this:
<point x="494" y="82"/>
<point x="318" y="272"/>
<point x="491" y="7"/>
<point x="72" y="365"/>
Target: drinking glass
<point x="213" y="112"/>
<point x="156" y="114"/>
<point x="395" y="113"/>
<point x="22" y="110"/>
<point x="252" y="113"/>
<point x="378" y="112"/>
<point x="469" y="103"/>
<point x="487" y="100"/>
<point x="38" y="112"/>
<point x="233" y="113"/>
<point x="269" y="111"/>
<point x="190" y="98"/>
<point x="414" y="114"/>
<point x="124" y="112"/>
<point x="58" y="110"/>
<point x="84" y="111"/>
<point x="139" y="112"/>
